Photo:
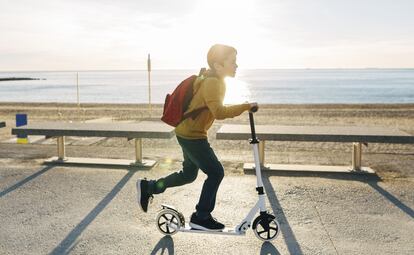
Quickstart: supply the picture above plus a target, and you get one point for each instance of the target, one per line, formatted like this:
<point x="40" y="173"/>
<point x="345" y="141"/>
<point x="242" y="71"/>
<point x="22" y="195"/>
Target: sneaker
<point x="144" y="197"/>
<point x="209" y="224"/>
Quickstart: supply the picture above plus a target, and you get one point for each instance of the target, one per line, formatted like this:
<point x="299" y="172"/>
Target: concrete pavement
<point x="60" y="210"/>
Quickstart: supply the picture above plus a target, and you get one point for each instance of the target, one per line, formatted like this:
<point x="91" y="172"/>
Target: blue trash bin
<point x="21" y="120"/>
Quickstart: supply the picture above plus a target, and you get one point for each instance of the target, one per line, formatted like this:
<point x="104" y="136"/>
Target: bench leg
<point x="355" y="168"/>
<point x="61" y="147"/>
<point x="356" y="156"/>
<point x="138" y="150"/>
<point x="138" y="162"/>
<point x="262" y="152"/>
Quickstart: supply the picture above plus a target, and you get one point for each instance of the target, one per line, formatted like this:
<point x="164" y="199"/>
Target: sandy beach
<point x="92" y="210"/>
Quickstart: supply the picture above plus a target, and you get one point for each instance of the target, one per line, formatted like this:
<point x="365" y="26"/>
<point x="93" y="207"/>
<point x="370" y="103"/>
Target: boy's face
<point x="228" y="67"/>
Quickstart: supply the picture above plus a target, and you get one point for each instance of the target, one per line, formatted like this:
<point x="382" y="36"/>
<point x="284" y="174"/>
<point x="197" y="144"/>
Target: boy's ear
<point x="217" y="66"/>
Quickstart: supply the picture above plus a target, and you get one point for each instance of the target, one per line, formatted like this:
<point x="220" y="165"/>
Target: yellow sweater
<point x="210" y="94"/>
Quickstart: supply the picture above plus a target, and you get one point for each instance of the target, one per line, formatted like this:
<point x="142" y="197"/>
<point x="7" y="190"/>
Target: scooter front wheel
<point x="168" y="222"/>
<point x="266" y="228"/>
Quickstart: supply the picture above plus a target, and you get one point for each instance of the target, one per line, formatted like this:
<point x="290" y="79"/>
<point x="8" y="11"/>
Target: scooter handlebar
<point x="254" y="109"/>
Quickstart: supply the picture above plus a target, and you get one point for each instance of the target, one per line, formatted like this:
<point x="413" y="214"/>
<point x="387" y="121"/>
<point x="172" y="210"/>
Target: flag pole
<point x="77" y="88"/>
<point x="149" y="83"/>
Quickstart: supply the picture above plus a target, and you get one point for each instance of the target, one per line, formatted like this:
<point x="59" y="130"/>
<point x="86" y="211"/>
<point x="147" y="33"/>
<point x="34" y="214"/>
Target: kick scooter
<point x="265" y="226"/>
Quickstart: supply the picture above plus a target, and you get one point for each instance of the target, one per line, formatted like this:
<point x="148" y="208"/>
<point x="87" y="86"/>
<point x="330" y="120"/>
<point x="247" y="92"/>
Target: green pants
<point x="197" y="155"/>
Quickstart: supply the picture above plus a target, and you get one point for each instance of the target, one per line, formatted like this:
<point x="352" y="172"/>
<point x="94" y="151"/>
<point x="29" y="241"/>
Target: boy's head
<point x="222" y="60"/>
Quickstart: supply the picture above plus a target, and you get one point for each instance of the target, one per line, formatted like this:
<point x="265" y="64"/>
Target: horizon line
<point x="185" y="69"/>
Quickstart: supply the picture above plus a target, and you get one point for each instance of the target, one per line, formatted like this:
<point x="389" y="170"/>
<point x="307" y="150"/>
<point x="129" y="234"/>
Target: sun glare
<point x="237" y="91"/>
<point x="218" y="21"/>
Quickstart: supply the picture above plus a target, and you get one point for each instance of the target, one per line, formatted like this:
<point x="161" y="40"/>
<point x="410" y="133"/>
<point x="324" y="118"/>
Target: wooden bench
<point x="343" y="134"/>
<point x="2" y="124"/>
<point x="136" y="131"/>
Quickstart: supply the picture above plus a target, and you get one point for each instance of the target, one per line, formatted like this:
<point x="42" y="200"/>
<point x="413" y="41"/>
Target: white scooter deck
<point x="226" y="231"/>
<point x="188" y="228"/>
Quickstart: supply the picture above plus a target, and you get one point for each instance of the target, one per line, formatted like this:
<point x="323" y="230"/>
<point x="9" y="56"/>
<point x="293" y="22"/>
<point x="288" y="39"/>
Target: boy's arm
<point x="213" y="96"/>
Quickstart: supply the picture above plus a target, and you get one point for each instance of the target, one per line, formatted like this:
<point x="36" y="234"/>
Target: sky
<point x="118" y="35"/>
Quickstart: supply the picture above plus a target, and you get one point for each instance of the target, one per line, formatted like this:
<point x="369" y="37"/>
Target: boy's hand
<point x="254" y="107"/>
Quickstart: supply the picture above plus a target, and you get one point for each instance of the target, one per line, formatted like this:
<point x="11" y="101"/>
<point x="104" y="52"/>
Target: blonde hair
<point x="218" y="53"/>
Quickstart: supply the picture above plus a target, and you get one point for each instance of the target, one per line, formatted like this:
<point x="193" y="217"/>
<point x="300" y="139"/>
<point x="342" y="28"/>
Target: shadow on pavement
<point x="164" y="244"/>
<point x="24" y="181"/>
<point x="99" y="166"/>
<point x="370" y="179"/>
<point x="290" y="239"/>
<point x="69" y="242"/>
<point x="392" y="199"/>
<point x="268" y="249"/>
<point x="323" y="175"/>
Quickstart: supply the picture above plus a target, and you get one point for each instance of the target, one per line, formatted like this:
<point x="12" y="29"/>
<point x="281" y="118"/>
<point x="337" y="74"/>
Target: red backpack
<point x="176" y="104"/>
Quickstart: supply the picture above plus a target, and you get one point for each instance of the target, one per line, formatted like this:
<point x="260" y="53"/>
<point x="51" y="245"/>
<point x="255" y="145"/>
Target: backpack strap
<point x="193" y="114"/>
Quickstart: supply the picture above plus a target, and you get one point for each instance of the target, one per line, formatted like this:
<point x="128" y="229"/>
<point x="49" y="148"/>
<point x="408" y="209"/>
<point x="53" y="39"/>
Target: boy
<point x="191" y="134"/>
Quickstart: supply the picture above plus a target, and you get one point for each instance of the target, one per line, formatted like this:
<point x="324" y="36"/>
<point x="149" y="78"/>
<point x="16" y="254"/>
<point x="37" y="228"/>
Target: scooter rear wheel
<point x="266" y="228"/>
<point x="165" y="219"/>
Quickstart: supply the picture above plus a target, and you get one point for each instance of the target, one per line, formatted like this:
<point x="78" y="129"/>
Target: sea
<point x="265" y="86"/>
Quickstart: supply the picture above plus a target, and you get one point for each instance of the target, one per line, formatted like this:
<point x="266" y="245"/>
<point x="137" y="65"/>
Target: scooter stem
<point x="255" y="144"/>
<point x="252" y="128"/>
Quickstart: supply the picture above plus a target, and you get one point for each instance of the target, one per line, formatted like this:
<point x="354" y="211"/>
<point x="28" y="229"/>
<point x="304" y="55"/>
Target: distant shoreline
<point x="197" y="68"/>
<point x="161" y="105"/>
<point x="20" y="79"/>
